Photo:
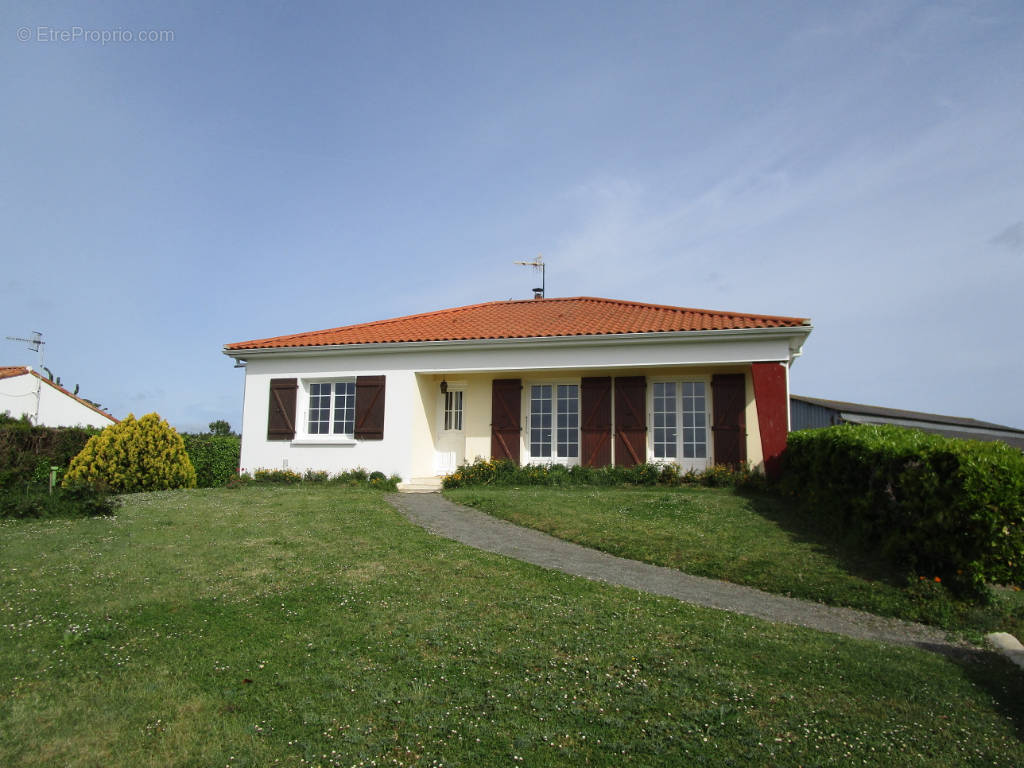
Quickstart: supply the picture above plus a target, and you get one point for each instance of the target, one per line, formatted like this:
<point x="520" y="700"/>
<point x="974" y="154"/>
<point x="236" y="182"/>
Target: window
<point x="695" y="432"/>
<point x="679" y="410"/>
<point x="340" y="411"/>
<point x="665" y="420"/>
<point x="332" y="407"/>
<point x="555" y="421"/>
<point x="453" y="410"/>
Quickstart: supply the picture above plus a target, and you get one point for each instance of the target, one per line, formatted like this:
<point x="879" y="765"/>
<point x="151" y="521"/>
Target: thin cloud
<point x="1011" y="238"/>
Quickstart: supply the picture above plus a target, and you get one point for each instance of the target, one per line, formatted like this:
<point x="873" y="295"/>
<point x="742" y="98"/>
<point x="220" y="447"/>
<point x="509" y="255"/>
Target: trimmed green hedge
<point x="215" y="457"/>
<point x="939" y="507"/>
<point x="27" y="452"/>
<point x="501" y="472"/>
<point x="34" y="502"/>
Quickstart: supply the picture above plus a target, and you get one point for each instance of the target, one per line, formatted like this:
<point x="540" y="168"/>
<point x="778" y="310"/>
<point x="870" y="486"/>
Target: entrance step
<point x="420" y="485"/>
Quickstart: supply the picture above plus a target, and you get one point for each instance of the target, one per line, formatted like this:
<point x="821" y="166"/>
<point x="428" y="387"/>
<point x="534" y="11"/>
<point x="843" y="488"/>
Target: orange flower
<point x="937" y="580"/>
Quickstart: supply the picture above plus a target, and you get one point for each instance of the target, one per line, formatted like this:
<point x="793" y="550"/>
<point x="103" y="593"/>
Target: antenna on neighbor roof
<point x="35" y="344"/>
<point x="538" y="263"/>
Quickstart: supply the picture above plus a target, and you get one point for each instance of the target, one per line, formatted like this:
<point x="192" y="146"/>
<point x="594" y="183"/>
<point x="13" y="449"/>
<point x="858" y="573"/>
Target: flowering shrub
<point x="144" y="454"/>
<point x="353" y="478"/>
<point x="502" y="472"/>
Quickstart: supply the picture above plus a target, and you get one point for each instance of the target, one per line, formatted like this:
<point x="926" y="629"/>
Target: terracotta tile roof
<point x="8" y="371"/>
<point x="528" y="318"/>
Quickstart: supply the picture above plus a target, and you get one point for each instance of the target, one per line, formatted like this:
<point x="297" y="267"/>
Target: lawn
<point x="296" y="626"/>
<point x="751" y="539"/>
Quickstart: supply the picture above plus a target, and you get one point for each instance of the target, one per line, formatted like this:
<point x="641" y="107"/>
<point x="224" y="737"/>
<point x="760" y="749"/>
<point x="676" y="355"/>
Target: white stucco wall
<point x="413" y="374"/>
<point x="46" y="405"/>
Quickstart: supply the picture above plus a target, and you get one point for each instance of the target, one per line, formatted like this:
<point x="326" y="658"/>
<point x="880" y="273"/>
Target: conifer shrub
<point x="144" y="454"/>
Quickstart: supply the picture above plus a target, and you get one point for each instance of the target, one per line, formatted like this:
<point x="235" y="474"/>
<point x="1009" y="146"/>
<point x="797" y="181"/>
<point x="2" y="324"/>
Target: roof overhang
<point x="796" y="335"/>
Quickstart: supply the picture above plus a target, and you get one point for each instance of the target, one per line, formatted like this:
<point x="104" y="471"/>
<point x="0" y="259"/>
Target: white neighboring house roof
<point x="23" y="392"/>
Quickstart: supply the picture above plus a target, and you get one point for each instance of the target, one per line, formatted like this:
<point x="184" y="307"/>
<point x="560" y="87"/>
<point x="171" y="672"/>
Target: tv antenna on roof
<point x="35" y="344"/>
<point x="538" y="263"/>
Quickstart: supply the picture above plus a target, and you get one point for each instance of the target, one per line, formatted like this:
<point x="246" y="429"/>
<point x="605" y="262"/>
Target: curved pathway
<point x="453" y="521"/>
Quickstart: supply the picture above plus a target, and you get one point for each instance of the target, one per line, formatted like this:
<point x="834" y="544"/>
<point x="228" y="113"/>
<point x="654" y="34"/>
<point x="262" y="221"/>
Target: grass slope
<point x="756" y="540"/>
<point x="313" y="626"/>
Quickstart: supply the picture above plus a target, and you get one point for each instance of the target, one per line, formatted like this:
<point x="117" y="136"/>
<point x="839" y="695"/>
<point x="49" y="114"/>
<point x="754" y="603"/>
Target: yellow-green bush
<point x="144" y="454"/>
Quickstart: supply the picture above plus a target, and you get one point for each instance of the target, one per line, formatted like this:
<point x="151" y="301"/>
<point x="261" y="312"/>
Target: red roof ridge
<point x="419" y="326"/>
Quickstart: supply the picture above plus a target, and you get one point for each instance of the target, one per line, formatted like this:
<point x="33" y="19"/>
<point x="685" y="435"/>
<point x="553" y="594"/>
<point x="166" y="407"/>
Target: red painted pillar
<point x="772" y="401"/>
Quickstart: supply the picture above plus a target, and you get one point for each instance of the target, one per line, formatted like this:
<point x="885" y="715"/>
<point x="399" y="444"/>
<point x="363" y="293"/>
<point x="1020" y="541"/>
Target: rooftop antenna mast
<point x="538" y="263"/>
<point x="35" y="344"/>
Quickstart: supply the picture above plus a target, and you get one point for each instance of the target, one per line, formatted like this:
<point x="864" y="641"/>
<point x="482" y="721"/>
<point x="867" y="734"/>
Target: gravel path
<point x="438" y="515"/>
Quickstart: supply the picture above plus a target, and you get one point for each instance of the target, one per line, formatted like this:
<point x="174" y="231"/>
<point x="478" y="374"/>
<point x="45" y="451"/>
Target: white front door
<point x="450" y="446"/>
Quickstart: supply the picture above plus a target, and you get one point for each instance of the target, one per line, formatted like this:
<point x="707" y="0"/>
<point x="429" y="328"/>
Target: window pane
<point x="568" y="420"/>
<point x="319" y="408"/>
<point x="344" y="407"/>
<point x="695" y="436"/>
<point x="665" y="419"/>
<point x="540" y="420"/>
<point x="453" y="410"/>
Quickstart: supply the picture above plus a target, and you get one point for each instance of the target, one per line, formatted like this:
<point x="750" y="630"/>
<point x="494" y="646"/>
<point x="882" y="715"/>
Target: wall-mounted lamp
<point x="444" y="387"/>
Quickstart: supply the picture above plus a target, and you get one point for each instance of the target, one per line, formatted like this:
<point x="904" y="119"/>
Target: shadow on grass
<point x="988" y="670"/>
<point x="1000" y="678"/>
<point x="823" y="538"/>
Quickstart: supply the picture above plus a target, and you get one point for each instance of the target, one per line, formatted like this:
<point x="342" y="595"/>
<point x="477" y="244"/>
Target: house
<point x="562" y="380"/>
<point x="23" y="392"/>
<point x="813" y="412"/>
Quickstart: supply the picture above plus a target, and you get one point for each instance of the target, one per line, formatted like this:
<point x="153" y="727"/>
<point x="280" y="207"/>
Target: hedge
<point x="215" y="457"/>
<point x="502" y="473"/>
<point x="35" y="502"/>
<point x="940" y="507"/>
<point x="27" y="452"/>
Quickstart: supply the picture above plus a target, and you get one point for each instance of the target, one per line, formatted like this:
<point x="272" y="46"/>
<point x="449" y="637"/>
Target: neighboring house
<point x="563" y="380"/>
<point x="813" y="413"/>
<point x="23" y="392"/>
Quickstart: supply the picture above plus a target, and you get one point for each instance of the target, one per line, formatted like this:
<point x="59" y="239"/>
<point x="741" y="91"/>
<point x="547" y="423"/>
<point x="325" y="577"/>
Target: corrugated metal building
<point x="815" y="413"/>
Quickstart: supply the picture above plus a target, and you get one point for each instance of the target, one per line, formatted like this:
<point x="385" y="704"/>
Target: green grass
<point x="752" y="539"/>
<point x="314" y="626"/>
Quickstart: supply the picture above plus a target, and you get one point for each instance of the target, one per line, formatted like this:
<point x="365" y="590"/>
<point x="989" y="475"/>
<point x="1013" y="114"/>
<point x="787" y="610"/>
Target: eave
<point x="796" y="335"/>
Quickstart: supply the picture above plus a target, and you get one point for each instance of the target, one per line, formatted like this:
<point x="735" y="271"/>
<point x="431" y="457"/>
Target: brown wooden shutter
<point x="630" y="420"/>
<point x="729" y="422"/>
<point x="596" y="426"/>
<point x="506" y="421"/>
<point x="369" y="408"/>
<point x="281" y="419"/>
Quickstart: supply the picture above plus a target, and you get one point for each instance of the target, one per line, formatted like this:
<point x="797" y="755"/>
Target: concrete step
<point x="420" y="485"/>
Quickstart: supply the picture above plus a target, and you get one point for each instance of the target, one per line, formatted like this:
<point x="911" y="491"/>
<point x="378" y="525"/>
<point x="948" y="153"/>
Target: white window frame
<point x="527" y="420"/>
<point x="684" y="463"/>
<point x="302" y="435"/>
<point x="457" y="392"/>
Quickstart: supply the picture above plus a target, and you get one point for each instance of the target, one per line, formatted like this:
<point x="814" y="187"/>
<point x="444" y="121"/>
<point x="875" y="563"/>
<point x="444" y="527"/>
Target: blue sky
<point x="276" y="168"/>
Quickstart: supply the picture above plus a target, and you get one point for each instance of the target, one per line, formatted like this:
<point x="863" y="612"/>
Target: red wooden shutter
<point x="281" y="419"/>
<point x="506" y="423"/>
<point x="772" y="401"/>
<point x="630" y="420"/>
<point x="596" y="427"/>
<point x="369" y="408"/>
<point x="729" y="422"/>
